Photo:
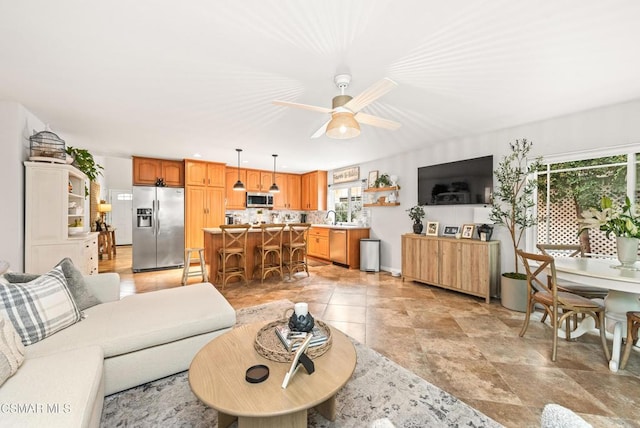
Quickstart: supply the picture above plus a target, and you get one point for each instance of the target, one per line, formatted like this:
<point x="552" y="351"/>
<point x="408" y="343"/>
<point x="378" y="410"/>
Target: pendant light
<point x="239" y="186"/>
<point x="274" y="187"/>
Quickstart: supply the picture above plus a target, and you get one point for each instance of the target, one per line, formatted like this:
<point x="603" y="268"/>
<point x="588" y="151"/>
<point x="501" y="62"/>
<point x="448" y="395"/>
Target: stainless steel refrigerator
<point x="158" y="228"/>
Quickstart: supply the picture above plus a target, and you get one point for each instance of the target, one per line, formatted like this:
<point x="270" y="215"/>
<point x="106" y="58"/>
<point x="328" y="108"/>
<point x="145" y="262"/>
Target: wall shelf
<point x="381" y="189"/>
<point x="378" y="203"/>
<point x="382" y="204"/>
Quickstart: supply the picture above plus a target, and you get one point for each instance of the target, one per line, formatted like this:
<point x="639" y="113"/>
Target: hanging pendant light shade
<point x="274" y="187"/>
<point x="342" y="126"/>
<point x="239" y="186"/>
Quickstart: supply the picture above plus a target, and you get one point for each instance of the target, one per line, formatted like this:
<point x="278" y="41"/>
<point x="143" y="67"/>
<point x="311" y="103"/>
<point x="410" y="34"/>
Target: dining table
<point x="623" y="285"/>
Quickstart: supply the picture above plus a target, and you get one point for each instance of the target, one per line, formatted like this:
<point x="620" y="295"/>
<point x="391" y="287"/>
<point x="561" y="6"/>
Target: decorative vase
<point x="417" y="228"/>
<point x="627" y="251"/>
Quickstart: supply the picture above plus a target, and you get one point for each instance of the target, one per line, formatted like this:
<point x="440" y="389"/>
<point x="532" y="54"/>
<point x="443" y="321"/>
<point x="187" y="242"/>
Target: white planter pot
<point x="627" y="251"/>
<point x="513" y="294"/>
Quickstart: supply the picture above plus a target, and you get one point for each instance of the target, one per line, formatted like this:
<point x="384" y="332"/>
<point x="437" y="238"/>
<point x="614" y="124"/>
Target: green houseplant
<point x="83" y="160"/>
<point x="512" y="204"/>
<point x="416" y="213"/>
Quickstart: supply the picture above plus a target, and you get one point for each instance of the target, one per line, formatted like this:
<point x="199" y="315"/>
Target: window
<point x="346" y="201"/>
<point x="566" y="188"/>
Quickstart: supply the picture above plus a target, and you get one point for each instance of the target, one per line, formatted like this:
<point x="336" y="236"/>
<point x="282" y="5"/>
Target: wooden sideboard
<point x="464" y="265"/>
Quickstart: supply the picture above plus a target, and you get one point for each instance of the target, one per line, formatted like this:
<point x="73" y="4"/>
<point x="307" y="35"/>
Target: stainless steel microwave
<point x="259" y="200"/>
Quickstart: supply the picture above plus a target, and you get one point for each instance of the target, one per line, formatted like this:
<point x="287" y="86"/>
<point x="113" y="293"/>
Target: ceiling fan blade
<point x="302" y="106"/>
<point x="320" y="132"/>
<point x="370" y="94"/>
<point x="369" y="119"/>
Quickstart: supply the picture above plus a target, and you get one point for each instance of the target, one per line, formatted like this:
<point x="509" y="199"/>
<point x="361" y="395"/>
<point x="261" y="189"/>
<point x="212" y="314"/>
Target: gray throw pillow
<point x="82" y="296"/>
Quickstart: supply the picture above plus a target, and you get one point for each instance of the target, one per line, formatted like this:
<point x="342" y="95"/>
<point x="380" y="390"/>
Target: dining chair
<point x="558" y="305"/>
<point x="570" y="286"/>
<point x="633" y="323"/>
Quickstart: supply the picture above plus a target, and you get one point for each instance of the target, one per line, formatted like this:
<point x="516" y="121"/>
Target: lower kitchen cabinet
<point x="467" y="266"/>
<point x="320" y="244"/>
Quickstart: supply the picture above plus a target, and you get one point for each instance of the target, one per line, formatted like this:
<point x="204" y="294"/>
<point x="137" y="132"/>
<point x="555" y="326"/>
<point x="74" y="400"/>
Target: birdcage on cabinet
<point x="45" y="146"/>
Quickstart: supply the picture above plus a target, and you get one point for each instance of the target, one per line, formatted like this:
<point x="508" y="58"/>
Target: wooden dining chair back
<point x="633" y="323"/>
<point x="268" y="254"/>
<point x="569" y="286"/>
<point x="232" y="259"/>
<point x="560" y="306"/>
<point x="295" y="248"/>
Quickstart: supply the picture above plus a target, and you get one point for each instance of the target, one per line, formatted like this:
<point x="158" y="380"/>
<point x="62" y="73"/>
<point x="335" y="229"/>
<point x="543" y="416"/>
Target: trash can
<point x="370" y="255"/>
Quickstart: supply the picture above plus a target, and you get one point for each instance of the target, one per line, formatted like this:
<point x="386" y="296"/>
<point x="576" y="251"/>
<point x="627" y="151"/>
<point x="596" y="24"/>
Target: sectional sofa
<point x="119" y="344"/>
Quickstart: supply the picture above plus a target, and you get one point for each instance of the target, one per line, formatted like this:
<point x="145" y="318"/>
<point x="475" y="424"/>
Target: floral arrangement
<point x="612" y="219"/>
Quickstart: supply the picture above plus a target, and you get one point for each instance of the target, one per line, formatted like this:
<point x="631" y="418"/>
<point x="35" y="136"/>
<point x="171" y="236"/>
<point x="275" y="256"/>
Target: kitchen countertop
<point x="217" y="230"/>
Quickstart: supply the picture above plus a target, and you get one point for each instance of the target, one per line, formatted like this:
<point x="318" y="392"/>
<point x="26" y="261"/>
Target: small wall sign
<point x="346" y="174"/>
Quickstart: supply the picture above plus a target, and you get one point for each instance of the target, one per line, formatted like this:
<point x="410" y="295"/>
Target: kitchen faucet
<point x="334" y="216"/>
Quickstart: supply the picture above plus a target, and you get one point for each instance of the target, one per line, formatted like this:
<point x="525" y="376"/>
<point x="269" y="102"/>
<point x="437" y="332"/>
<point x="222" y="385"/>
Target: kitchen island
<point x="213" y="242"/>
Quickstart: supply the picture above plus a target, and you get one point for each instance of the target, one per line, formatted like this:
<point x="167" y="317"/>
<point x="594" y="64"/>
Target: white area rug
<point x="379" y="389"/>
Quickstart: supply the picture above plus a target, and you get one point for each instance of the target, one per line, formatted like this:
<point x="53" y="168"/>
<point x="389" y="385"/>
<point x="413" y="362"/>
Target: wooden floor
<point x="465" y="346"/>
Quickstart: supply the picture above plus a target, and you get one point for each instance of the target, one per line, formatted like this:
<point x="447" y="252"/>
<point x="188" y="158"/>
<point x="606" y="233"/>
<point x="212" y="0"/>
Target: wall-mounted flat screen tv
<point x="467" y="181"/>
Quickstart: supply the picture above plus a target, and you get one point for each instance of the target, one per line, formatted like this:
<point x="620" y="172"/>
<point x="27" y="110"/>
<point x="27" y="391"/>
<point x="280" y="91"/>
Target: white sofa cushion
<point x="11" y="350"/>
<point x="144" y="320"/>
<point x="64" y="389"/>
<point x="39" y="308"/>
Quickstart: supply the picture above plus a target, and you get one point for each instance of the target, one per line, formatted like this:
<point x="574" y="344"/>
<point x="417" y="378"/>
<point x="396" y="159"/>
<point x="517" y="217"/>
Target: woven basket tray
<point x="269" y="346"/>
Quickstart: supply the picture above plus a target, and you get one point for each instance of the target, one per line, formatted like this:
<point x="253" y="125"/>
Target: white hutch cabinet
<point x="50" y="190"/>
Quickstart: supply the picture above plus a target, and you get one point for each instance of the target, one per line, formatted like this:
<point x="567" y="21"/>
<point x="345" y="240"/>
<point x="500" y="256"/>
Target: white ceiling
<point x="169" y="79"/>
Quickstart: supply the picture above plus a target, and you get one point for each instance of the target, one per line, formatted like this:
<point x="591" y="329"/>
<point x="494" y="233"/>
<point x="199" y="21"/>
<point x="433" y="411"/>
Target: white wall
<point x="16" y="126"/>
<point x="594" y="129"/>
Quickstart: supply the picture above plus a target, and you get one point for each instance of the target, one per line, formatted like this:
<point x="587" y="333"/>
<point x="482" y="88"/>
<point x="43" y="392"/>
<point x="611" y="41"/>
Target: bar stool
<point x="232" y="255"/>
<point x="186" y="272"/>
<point x="296" y="249"/>
<point x="633" y="322"/>
<point x="268" y="254"/>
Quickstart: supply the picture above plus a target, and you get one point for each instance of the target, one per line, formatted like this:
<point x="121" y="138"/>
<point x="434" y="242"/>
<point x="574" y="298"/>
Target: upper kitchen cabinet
<point x="149" y="171"/>
<point x="200" y="173"/>
<point x="314" y="191"/>
<point x="258" y="181"/>
<point x="289" y="196"/>
<point x="235" y="200"/>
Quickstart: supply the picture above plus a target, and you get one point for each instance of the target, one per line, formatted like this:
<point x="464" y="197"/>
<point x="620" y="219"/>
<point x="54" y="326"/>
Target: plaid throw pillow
<point x="39" y="308"/>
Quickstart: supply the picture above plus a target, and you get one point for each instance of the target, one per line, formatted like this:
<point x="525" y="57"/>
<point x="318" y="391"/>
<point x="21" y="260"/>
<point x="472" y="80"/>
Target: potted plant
<point x="83" y="160"/>
<point x="512" y="204"/>
<point x="620" y="221"/>
<point x="416" y="213"/>
<point x="383" y="181"/>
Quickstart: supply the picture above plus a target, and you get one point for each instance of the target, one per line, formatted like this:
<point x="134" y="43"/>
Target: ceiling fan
<point x="346" y="116"/>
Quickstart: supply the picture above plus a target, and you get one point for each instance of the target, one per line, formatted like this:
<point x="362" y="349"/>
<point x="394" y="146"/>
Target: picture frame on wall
<point x="432" y="228"/>
<point x="450" y="230"/>
<point x="467" y="231"/>
<point x="373" y="176"/>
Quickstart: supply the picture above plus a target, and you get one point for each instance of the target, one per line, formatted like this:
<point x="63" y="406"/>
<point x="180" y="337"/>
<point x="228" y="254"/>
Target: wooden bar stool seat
<point x="187" y="272"/>
<point x="296" y="249"/>
<point x="232" y="261"/>
<point x="268" y="254"/>
<point x="633" y="323"/>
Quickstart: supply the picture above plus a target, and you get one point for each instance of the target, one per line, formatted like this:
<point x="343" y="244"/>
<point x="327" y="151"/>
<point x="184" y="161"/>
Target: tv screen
<point x="468" y="181"/>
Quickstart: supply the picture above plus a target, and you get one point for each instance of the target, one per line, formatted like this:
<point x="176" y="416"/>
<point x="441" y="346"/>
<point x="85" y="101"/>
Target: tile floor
<point x="461" y="344"/>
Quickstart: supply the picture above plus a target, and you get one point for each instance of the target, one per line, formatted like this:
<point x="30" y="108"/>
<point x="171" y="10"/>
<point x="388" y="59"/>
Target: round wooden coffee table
<point x="217" y="378"/>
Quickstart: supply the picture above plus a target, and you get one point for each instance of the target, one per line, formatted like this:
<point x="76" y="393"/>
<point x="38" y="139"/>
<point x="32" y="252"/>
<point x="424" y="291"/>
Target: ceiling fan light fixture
<point x="274" y="187"/>
<point x="239" y="186"/>
<point x="343" y="126"/>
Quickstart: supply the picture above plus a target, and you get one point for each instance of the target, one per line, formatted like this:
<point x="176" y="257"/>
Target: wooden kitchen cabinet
<point x="147" y="171"/>
<point x="318" y="242"/>
<point x="204" y="202"/>
<point x="258" y="180"/>
<point x="468" y="266"/>
<point x="289" y="196"/>
<point x="313" y="190"/>
<point x="235" y="200"/>
<point x="201" y="173"/>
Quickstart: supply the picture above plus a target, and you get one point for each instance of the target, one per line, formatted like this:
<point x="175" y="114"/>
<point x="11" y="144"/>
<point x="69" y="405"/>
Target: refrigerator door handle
<point x="157" y="217"/>
<point x="154" y="218"/>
